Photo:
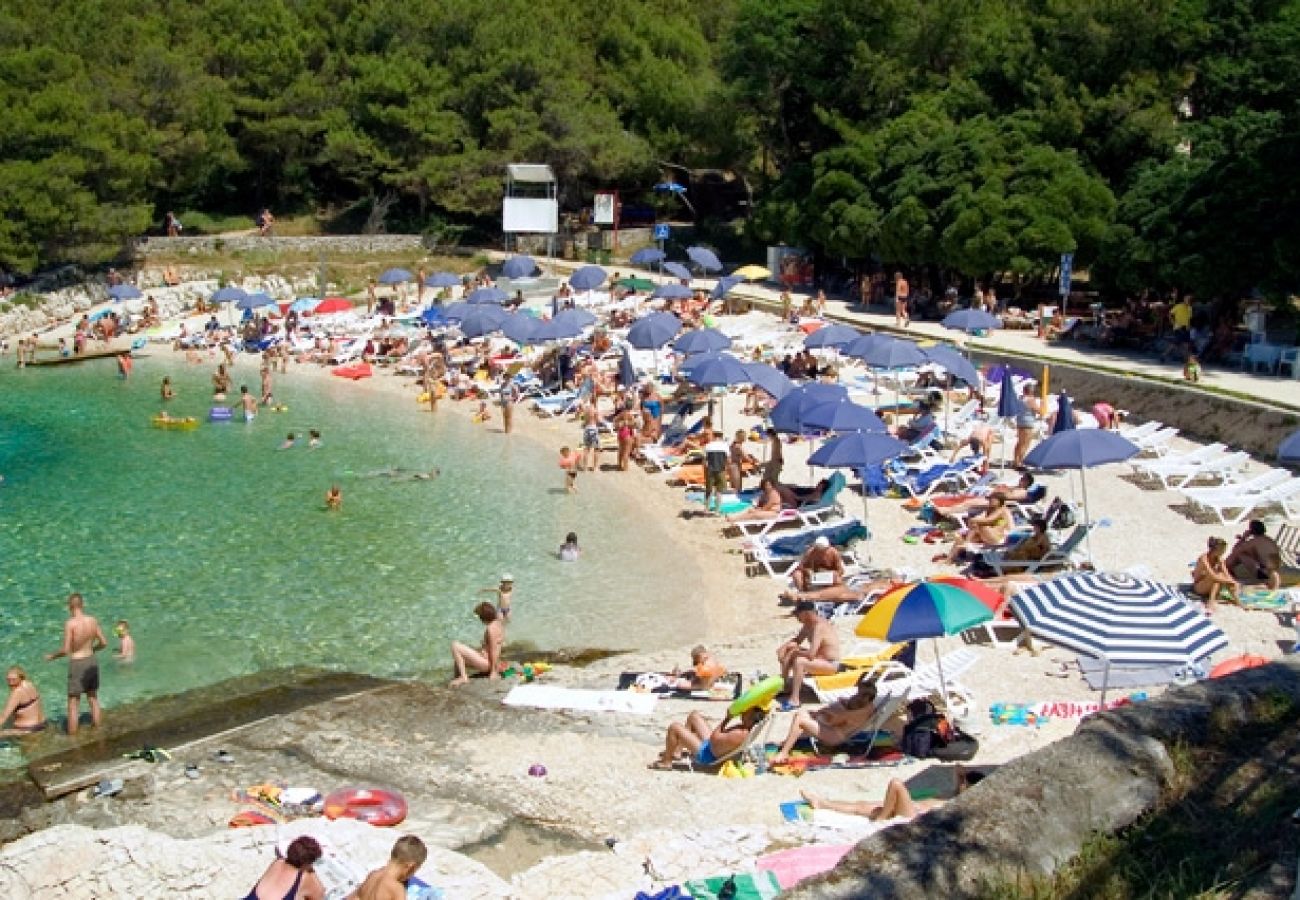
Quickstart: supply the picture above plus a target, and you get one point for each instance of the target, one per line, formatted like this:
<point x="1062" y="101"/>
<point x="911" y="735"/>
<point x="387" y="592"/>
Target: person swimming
<point x="397" y="473"/>
<point x="289" y="440"/>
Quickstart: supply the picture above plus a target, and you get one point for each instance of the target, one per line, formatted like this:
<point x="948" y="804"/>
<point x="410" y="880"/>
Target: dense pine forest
<point x="1158" y="140"/>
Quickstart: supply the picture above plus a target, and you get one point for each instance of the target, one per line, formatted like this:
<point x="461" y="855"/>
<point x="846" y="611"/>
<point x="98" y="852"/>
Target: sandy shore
<point x="461" y="758"/>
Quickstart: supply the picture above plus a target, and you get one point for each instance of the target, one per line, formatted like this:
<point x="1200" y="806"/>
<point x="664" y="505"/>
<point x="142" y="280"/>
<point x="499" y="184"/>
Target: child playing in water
<point x="167" y="392"/>
<point x="569" y="463"/>
<point x="334" y="498"/>
<point x="313" y="441"/>
<point x="569" y="551"/>
<point x="126" y="650"/>
<point x="505" y="592"/>
<point x="483" y="414"/>
<point x="289" y="440"/>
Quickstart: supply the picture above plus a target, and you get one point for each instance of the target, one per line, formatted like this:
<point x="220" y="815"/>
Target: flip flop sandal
<point x="192" y="771"/>
<point x="222" y="756"/>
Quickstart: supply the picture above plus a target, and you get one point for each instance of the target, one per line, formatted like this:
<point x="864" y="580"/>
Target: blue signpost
<point x="662" y="233"/>
<point x="1067" y="267"/>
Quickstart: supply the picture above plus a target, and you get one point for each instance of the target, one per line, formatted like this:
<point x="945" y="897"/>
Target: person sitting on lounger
<point x="768" y="504"/>
<point x="821" y="656"/>
<point x="1256" y="557"/>
<point x="834" y="724"/>
<point x="898" y="803"/>
<point x="706" y="744"/>
<point x="820" y="566"/>
<point x="1035" y="546"/>
<point x="988" y="529"/>
<point x="1211" y="578"/>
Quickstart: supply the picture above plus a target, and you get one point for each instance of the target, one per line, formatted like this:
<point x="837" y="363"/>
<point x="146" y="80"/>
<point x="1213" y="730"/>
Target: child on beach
<point x="334" y="498"/>
<point x="505" y="592"/>
<point x="289" y="440"/>
<point x="569" y="463"/>
<point x="126" y="649"/>
<point x="249" y="402"/>
<point x="390" y="882"/>
<point x="1192" y="369"/>
<point x="313" y="439"/>
<point x="483" y="414"/>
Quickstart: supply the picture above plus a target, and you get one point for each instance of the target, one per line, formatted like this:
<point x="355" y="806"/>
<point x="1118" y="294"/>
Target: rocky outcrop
<point x="71" y="861"/>
<point x="234" y="243"/>
<point x="1035" y="813"/>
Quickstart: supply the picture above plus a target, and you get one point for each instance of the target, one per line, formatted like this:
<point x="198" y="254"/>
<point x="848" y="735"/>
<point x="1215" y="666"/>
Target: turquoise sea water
<point x="217" y="547"/>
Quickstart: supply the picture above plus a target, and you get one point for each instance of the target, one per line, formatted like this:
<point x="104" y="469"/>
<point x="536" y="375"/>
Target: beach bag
<point x="927" y="730"/>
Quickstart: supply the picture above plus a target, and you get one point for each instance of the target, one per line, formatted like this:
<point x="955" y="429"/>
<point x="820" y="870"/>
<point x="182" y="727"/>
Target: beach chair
<point x="812" y="514"/>
<point x="923" y="449"/>
<point x="890" y="698"/>
<point x="922" y="484"/>
<point x="926" y="681"/>
<point x="1154" y="468"/>
<point x="778" y="555"/>
<point x="1060" y="557"/>
<point x="1003" y="630"/>
<point x="889" y="676"/>
<point x="1224" y="468"/>
<point x="750" y="751"/>
<point x="1136" y="433"/>
<point x="1157" y="443"/>
<point x="1232" y="507"/>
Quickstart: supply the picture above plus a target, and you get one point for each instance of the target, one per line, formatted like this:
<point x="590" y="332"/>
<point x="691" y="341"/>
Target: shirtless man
<point x="590" y="435"/>
<point x="389" y="883"/>
<point x="1256" y="557"/>
<point x="487" y="657"/>
<point x="818" y="562"/>
<point x="820" y="657"/>
<point x="82" y="637"/>
<point x="249" y="402"/>
<point x="834" y="724"/>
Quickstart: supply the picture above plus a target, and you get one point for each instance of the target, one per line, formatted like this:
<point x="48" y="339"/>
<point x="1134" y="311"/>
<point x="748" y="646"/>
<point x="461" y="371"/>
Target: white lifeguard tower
<point x="530" y="205"/>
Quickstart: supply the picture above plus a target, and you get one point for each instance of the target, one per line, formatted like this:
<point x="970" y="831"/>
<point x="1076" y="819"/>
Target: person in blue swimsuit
<point x="291" y="877"/>
<point x="706" y="744"/>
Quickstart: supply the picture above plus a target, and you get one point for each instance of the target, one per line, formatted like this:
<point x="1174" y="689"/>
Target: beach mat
<point x="799" y="863"/>
<point x="545" y="696"/>
<point x="1265" y="599"/>
<point x="803" y="758"/>
<point x="725" y="689"/>
<point x="1121" y="677"/>
<point x="745" y="886"/>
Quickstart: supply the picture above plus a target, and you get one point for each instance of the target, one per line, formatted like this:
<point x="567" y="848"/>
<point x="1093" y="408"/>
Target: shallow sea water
<point x="218" y="549"/>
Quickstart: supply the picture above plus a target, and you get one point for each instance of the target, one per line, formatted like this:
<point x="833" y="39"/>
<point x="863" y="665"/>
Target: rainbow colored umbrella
<point x="990" y="597"/>
<point x="924" y="609"/>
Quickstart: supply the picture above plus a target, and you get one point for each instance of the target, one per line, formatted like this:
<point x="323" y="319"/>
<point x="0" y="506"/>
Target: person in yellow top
<point x="1180" y="317"/>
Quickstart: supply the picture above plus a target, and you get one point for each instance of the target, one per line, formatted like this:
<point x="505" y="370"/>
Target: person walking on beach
<point x="590" y="435"/>
<point x="508" y="396"/>
<point x="902" y="293"/>
<point x="389" y="883"/>
<point x="267" y="395"/>
<point x="570" y="462"/>
<point x="82" y="638"/>
<point x="487" y="657"/>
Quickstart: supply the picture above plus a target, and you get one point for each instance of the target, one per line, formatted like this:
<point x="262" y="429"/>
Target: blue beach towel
<point x="839" y="535"/>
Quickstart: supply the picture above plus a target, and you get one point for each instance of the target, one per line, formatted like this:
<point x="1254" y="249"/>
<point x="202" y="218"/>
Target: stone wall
<point x="1035" y="813"/>
<point x="351" y="243"/>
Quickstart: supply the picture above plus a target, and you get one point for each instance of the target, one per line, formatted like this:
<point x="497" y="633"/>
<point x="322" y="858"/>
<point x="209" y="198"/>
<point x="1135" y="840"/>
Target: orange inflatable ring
<point x="372" y="806"/>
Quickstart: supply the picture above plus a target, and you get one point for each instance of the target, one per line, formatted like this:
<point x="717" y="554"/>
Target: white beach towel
<point x="545" y="696"/>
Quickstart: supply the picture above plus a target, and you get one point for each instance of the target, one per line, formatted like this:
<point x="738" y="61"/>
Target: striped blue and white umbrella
<point x="1122" y="621"/>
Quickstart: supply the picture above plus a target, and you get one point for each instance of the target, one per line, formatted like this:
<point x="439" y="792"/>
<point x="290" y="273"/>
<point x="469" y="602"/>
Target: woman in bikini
<point x="291" y="877"/>
<point x="1211" y="578"/>
<point x="988" y="529"/>
<point x="24" y="705"/>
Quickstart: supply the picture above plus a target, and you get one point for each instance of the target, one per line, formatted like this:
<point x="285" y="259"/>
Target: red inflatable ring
<point x="372" y="806"/>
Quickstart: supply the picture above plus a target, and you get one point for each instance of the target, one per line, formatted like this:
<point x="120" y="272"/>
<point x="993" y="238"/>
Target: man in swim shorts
<point x="1256" y="556"/>
<point x="590" y="435"/>
<point x="820" y="657"/>
<point x="82" y="637"/>
<point x="249" y="402"/>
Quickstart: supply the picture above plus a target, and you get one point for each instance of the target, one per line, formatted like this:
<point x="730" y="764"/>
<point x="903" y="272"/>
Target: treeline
<point x="1155" y="139"/>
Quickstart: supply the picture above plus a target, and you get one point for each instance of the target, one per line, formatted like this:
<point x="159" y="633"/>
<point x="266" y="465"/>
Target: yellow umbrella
<point x="752" y="273"/>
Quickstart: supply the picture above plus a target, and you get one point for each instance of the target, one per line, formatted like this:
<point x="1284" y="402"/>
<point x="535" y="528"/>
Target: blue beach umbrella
<point x="702" y="340"/>
<point x="434" y="316"/>
<point x="865" y="344"/>
<point x="254" y="301"/>
<point x="896" y="354"/>
<point x="580" y="317"/>
<point x="587" y="278"/>
<point x="480" y="320"/>
<point x="647" y="256"/>
<point x="1082" y="449"/>
<point x="453" y="312"/>
<point x="1064" y="414"/>
<point x="769" y="379"/>
<point x="859" y="450"/>
<point x="843" y="415"/>
<point x="230" y="294"/>
<point x="724" y="285"/>
<point x="715" y="370"/>
<point x="395" y="276"/>
<point x="519" y="267"/>
<point x="626" y="371"/>
<point x="519" y="327"/>
<point x="969" y="320"/>
<point x="557" y="329"/>
<point x="677" y="269"/>
<point x="1289" y="449"/>
<point x="125" y="292"/>
<point x="653" y="331"/>
<point x="997" y="374"/>
<point x="488" y="295"/>
<point x="788" y="414"/>
<point x="673" y="292"/>
<point x="1119" y="619"/>
<point x="442" y="280"/>
<point x="705" y="258"/>
<point x="831" y="336"/>
<point x="1009" y="405"/>
<point x="954" y="364"/>
<point x="304" y="304"/>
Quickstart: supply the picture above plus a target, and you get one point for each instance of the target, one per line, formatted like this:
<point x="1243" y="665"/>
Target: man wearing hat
<point x="821" y="566"/>
<point x="504" y="592"/>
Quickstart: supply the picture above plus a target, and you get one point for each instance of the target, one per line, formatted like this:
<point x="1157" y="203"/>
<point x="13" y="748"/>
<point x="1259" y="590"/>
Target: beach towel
<point x="1122" y="677"/>
<point x="858" y="755"/>
<point x="839" y="535"/>
<point x="1038" y="713"/>
<point x="660" y="683"/>
<point x="758" y="886"/>
<point x="798" y="863"/>
<point x="1263" y="598"/>
<point x="545" y="696"/>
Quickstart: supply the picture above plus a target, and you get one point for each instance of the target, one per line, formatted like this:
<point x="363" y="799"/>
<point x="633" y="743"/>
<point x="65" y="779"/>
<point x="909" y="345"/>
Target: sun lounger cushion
<point x="839" y="536"/>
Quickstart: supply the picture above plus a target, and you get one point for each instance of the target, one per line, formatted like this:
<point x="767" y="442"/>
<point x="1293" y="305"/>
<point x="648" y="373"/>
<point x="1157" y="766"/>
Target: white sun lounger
<point x="1225" y="468"/>
<point x="1151" y="468"/>
<point x="1234" y="508"/>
